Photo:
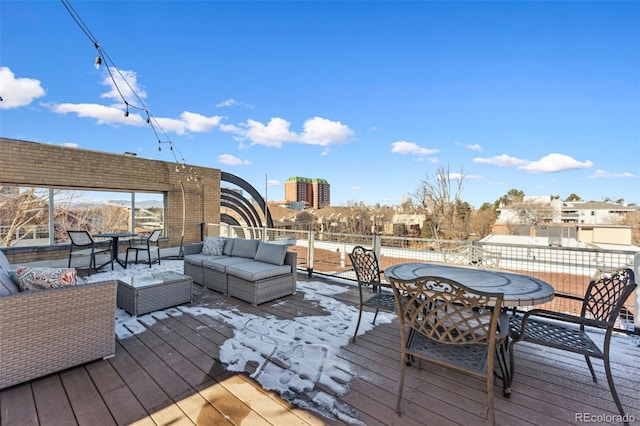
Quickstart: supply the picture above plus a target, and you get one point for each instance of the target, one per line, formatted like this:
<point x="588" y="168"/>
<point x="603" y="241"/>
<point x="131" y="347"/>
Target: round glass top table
<point x="518" y="289"/>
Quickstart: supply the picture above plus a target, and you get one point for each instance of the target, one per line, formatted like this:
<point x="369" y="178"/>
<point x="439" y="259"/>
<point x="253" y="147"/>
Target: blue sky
<point x="543" y="97"/>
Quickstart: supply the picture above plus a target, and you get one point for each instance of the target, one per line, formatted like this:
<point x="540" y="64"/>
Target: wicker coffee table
<point x="144" y="293"/>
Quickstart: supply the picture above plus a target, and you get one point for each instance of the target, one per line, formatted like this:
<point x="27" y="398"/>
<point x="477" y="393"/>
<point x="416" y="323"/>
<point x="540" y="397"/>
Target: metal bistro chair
<point x="82" y="244"/>
<point x="145" y="245"/>
<point x="365" y="264"/>
<point x="450" y="325"/>
<point x="604" y="298"/>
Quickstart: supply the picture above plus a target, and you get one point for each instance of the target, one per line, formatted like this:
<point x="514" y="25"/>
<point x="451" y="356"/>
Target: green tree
<point x="573" y="197"/>
<point x="513" y="196"/>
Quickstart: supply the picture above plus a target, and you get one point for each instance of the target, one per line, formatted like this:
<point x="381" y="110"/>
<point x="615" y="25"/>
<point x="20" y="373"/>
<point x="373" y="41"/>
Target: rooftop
<point x="219" y="360"/>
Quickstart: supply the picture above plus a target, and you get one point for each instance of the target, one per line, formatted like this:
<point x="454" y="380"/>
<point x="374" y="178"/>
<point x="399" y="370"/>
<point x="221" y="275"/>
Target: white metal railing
<point x="567" y="269"/>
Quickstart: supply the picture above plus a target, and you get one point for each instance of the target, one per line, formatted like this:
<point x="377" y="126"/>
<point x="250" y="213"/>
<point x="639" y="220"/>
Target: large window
<point x="42" y="216"/>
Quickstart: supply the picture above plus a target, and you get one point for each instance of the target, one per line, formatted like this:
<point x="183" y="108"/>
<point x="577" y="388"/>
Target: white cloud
<point x="231" y="160"/>
<point x="127" y="87"/>
<point x="103" y="114"/>
<point x="232" y="102"/>
<point x="70" y="144"/>
<point x="227" y="103"/>
<point x="316" y="131"/>
<point x="18" y="92"/>
<point x="273" y="182"/>
<point x="555" y="163"/>
<point x="502" y="161"/>
<point x="548" y="164"/>
<point x="356" y="188"/>
<point x="474" y="147"/>
<point x="323" y="132"/>
<point x="404" y="147"/>
<point x="607" y="175"/>
<point x="198" y="123"/>
<point x="273" y="134"/>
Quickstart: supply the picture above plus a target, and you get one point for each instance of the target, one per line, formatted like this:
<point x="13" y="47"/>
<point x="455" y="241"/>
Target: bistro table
<point x="518" y="290"/>
<point x="115" y="240"/>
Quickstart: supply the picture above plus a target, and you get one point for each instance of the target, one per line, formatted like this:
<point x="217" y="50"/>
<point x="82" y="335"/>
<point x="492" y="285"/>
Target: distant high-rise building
<point x="313" y="192"/>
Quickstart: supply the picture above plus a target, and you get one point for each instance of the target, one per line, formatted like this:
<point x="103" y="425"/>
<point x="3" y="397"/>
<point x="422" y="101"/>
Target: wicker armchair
<point x="365" y="264"/>
<point x="82" y="244"/>
<point x="448" y="324"/>
<point x="604" y="298"/>
<point x="145" y="244"/>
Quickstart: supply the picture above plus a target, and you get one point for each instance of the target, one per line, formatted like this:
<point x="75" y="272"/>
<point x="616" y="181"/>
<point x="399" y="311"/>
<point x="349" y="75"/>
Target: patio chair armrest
<point x="503" y="326"/>
<point x="559" y="316"/>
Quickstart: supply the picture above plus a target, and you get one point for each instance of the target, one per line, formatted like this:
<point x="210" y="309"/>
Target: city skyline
<point x="372" y="96"/>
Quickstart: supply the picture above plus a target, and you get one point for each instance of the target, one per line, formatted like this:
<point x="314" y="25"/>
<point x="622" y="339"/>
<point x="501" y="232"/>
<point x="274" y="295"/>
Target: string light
<point x="111" y="68"/>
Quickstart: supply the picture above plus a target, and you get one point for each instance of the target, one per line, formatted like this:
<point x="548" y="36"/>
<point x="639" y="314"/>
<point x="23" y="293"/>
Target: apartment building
<point x="313" y="192"/>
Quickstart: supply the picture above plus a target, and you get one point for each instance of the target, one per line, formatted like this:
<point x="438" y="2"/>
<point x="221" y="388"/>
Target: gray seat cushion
<point x="255" y="270"/>
<point x="197" y="259"/>
<point x="220" y="264"/>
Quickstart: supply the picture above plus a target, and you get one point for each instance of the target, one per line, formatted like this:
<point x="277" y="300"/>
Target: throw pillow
<point x="217" y="246"/>
<point x="271" y="253"/>
<point x="39" y="278"/>
<point x="213" y="246"/>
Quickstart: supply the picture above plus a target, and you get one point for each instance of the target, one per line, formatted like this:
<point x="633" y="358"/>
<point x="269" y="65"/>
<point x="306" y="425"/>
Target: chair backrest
<point x="473" y="256"/>
<point x="365" y="263"/>
<point x="607" y="293"/>
<point x="446" y="311"/>
<point x="155" y="235"/>
<point x="80" y="238"/>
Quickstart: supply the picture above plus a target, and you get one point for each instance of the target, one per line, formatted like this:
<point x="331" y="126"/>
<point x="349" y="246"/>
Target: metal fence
<point x="567" y="269"/>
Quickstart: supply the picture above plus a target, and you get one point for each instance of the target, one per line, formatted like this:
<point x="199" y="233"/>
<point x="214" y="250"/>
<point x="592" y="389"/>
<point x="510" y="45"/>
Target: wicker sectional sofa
<point x="46" y="331"/>
<point x="249" y="270"/>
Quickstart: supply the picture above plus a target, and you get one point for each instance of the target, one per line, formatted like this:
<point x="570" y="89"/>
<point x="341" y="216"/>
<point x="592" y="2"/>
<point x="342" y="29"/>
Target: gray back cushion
<point x="244" y="248"/>
<point x="271" y="253"/>
<point x="4" y="262"/>
<point x="228" y="246"/>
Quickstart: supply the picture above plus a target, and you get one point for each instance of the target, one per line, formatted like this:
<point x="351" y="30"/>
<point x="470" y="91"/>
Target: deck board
<point x="171" y="374"/>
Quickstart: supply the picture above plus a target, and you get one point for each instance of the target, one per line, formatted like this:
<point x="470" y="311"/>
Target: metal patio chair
<point x="604" y="298"/>
<point x="368" y="273"/>
<point x="83" y="244"/>
<point x="145" y="244"/>
<point x="472" y="256"/>
<point x="450" y="325"/>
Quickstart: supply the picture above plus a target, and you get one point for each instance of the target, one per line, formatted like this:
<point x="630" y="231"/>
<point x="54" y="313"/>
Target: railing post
<point x="377" y="246"/>
<point x="310" y="254"/>
<point x="636" y="299"/>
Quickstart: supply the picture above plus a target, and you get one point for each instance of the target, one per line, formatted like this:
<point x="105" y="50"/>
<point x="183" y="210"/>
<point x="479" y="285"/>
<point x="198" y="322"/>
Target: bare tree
<point x="482" y="220"/>
<point x="446" y="214"/>
<point x="20" y="211"/>
<point x="533" y="212"/>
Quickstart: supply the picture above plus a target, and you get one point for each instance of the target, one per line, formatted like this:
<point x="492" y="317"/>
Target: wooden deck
<point x="171" y="374"/>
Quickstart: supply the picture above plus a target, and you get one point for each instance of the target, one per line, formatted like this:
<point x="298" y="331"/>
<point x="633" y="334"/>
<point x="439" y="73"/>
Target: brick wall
<point x="25" y="163"/>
